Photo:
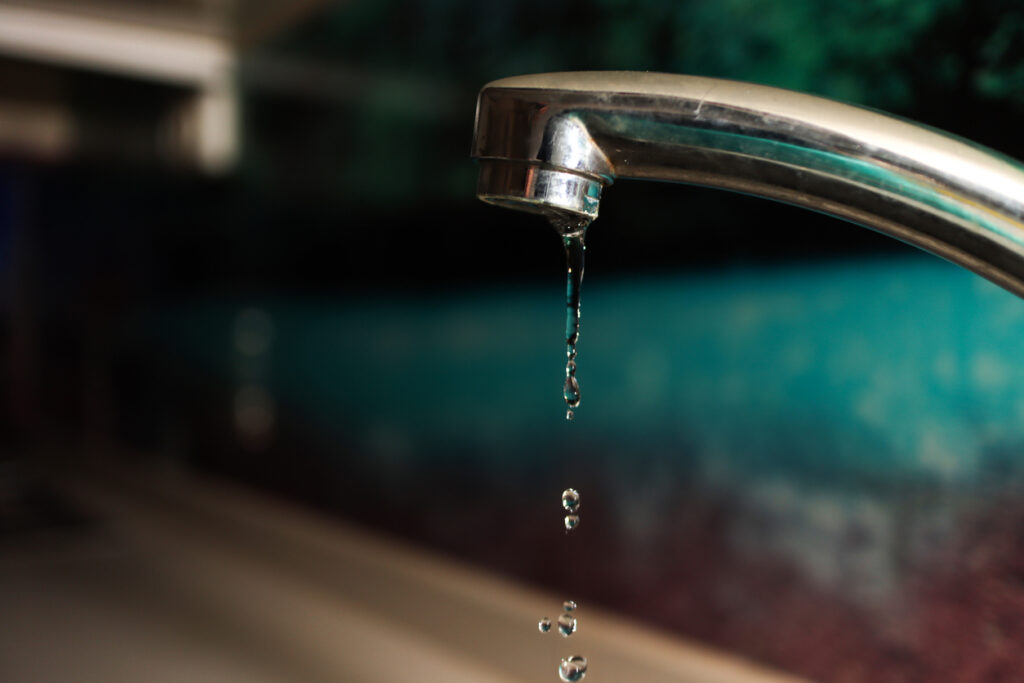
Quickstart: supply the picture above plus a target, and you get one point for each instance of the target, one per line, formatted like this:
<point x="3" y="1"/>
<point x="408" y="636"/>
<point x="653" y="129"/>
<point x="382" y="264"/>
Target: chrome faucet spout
<point x="549" y="144"/>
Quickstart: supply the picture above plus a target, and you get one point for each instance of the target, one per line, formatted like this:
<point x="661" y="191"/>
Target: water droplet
<point x="570" y="416"/>
<point x="571" y="522"/>
<point x="573" y="669"/>
<point x="569" y="605"/>
<point x="544" y="625"/>
<point x="571" y="392"/>
<point x="571" y="500"/>
<point x="567" y="624"/>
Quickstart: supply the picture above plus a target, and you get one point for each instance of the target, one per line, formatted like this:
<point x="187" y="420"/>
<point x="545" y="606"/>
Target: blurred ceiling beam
<point x="112" y="45"/>
<point x="193" y="44"/>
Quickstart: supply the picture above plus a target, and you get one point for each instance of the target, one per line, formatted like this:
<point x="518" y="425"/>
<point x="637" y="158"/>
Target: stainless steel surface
<point x="549" y="143"/>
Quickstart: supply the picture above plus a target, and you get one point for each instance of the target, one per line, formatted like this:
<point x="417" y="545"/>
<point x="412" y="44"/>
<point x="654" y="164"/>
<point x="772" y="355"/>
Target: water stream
<point x="574" y="667"/>
<point x="573" y="239"/>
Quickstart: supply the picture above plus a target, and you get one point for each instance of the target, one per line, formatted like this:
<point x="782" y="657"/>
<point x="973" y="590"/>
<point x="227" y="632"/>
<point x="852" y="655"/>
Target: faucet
<point x="550" y="143"/>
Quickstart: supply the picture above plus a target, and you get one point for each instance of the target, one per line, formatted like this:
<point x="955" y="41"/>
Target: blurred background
<point x="239" y="243"/>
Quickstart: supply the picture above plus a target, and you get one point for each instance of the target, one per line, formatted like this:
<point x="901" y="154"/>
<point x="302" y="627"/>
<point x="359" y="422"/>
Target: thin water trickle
<point x="573" y="239"/>
<point x="573" y="669"/>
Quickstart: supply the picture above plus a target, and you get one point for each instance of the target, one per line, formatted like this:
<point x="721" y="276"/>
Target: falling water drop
<point x="569" y="605"/>
<point x="573" y="669"/>
<point x="567" y="624"/>
<point x="544" y="625"/>
<point x="571" y="391"/>
<point x="571" y="500"/>
<point x="571" y="522"/>
<point x="570" y="416"/>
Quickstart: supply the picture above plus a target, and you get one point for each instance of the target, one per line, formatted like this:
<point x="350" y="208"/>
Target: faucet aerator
<point x="563" y="196"/>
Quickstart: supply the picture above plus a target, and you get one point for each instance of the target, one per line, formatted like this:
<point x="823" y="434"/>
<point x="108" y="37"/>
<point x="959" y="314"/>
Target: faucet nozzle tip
<point x="538" y="189"/>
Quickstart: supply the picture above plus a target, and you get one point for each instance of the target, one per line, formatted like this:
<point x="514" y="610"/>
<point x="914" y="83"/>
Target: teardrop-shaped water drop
<point x="571" y="392"/>
<point x="573" y="669"/>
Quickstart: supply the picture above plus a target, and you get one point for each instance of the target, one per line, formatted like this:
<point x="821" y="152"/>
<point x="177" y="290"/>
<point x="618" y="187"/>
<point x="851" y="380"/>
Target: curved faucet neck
<point x="550" y="143"/>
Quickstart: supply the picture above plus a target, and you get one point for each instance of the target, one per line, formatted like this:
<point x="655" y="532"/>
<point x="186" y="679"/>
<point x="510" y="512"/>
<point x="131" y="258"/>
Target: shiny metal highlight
<point x="549" y="143"/>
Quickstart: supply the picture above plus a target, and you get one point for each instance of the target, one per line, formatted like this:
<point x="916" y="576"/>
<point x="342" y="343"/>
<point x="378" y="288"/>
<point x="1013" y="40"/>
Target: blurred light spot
<point x="392" y="449"/>
<point x="842" y="543"/>
<point x="897" y="290"/>
<point x="745" y="316"/>
<point x="254" y="332"/>
<point x="42" y="130"/>
<point x="254" y="414"/>
<point x="217" y="126"/>
<point x="988" y="371"/>
<point x="830" y="299"/>
<point x="647" y="373"/>
<point x="826" y="514"/>
<point x="463" y="334"/>
<point x="734" y="387"/>
<point x="935" y="454"/>
<point x="870" y="407"/>
<point x="944" y="367"/>
<point x="388" y="440"/>
<point x="798" y="356"/>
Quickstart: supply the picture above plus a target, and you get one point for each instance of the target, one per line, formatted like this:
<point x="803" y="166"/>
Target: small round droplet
<point x="569" y="605"/>
<point x="573" y="669"/>
<point x="570" y="416"/>
<point x="571" y="500"/>
<point x="571" y="522"/>
<point x="544" y="625"/>
<point x="567" y="624"/>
